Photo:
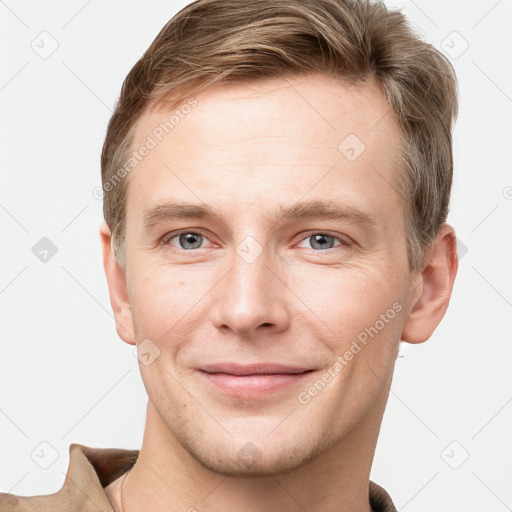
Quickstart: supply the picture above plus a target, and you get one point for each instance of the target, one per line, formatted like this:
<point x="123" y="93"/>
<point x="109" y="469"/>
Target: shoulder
<point x="14" y="503"/>
<point x="8" y="502"/>
<point x="90" y="469"/>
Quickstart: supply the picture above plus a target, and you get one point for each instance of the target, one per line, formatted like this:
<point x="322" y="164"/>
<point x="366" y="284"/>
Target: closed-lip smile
<point x="252" y="380"/>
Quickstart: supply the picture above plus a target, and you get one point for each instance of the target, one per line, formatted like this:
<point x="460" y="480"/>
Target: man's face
<point x="247" y="286"/>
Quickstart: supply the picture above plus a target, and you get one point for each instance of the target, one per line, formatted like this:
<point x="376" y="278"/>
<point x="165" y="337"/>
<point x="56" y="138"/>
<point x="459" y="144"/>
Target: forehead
<point x="266" y="139"/>
<point x="329" y="106"/>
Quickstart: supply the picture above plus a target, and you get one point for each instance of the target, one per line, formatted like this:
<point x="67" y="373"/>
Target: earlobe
<point x="117" y="287"/>
<point x="433" y="289"/>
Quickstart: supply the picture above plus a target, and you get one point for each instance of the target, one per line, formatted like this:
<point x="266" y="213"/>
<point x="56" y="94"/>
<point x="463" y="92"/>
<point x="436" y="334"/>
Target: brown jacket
<point x="92" y="469"/>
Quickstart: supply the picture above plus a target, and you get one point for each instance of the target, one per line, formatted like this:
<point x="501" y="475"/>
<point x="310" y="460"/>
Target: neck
<point x="167" y="478"/>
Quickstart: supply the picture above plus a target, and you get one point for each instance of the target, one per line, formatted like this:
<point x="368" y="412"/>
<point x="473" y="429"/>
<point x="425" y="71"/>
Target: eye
<point x="186" y="240"/>
<point x="190" y="240"/>
<point x="323" y="241"/>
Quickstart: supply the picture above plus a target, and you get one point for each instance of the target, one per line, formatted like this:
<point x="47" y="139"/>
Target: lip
<point x="252" y="380"/>
<point x="252" y="369"/>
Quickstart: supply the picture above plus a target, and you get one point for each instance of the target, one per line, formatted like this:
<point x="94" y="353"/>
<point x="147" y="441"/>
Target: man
<point x="277" y="179"/>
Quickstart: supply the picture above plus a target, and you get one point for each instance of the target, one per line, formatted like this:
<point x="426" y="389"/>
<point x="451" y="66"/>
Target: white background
<point x="65" y="375"/>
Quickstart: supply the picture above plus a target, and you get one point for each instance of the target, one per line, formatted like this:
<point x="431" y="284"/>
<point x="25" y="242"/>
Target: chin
<point x="266" y="458"/>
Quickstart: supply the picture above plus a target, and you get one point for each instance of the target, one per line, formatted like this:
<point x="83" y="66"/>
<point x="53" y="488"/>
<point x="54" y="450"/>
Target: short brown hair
<point x="236" y="41"/>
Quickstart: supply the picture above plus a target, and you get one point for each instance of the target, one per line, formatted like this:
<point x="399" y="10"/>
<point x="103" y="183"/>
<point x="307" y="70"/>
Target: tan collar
<point x="90" y="469"/>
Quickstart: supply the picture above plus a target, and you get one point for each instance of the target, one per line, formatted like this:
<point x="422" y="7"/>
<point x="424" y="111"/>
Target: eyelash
<point x="167" y="238"/>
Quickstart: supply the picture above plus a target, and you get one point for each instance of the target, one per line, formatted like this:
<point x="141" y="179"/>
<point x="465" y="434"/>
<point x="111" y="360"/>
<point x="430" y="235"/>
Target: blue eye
<point x="323" y="241"/>
<point x="190" y="240"/>
<point x="187" y="240"/>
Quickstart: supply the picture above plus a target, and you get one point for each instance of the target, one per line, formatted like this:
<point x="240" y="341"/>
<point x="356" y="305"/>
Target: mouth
<point x="252" y="381"/>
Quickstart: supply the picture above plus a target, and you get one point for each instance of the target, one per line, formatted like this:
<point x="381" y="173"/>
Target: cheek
<point x="347" y="300"/>
<point x="166" y="302"/>
<point x="156" y="285"/>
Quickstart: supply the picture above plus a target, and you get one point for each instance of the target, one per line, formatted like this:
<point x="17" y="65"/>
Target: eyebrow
<point x="302" y="210"/>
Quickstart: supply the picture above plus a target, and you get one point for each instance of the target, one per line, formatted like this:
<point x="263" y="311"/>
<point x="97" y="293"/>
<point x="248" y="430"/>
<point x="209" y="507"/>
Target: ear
<point x="432" y="287"/>
<point x="116" y="278"/>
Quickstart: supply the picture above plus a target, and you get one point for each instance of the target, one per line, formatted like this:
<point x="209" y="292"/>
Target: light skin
<point x="245" y="151"/>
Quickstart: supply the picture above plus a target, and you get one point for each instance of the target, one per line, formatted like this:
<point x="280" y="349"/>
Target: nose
<point x="251" y="299"/>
